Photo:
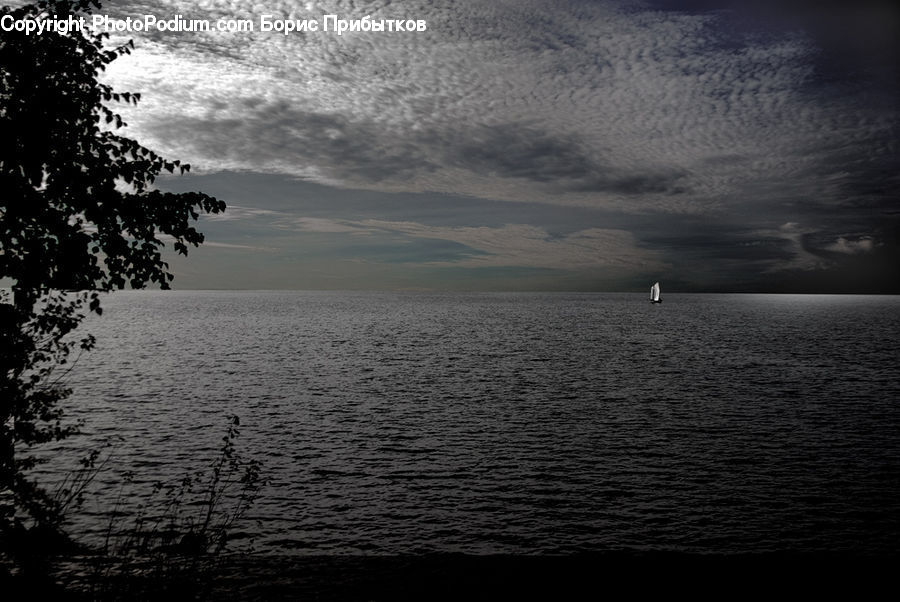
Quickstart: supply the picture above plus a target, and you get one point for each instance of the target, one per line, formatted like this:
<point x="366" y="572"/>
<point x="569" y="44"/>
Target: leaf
<point x="72" y="228"/>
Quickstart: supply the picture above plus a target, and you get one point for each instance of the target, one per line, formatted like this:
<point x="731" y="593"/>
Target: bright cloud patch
<point x="851" y="246"/>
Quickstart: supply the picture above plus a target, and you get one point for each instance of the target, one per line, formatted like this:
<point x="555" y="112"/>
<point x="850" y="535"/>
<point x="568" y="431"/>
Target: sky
<point x="532" y="145"/>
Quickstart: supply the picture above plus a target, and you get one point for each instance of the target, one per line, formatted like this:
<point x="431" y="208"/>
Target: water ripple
<point x="512" y="423"/>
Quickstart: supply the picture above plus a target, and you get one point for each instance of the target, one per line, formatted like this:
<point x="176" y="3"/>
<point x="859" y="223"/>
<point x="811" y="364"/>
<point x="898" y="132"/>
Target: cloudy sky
<point x="533" y="145"/>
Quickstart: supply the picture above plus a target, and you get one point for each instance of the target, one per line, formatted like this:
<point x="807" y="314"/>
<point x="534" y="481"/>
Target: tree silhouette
<point x="78" y="215"/>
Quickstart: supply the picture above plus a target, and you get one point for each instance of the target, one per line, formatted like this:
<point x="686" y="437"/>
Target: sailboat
<point x="654" y="294"/>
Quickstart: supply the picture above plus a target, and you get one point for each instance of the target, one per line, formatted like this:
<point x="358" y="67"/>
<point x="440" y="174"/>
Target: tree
<point x="78" y="215"/>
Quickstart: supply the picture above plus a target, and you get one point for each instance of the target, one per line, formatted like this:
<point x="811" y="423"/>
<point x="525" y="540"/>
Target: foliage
<point x="179" y="532"/>
<point x="77" y="213"/>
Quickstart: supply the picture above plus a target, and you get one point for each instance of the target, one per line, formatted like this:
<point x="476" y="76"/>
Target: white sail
<point x="654" y="292"/>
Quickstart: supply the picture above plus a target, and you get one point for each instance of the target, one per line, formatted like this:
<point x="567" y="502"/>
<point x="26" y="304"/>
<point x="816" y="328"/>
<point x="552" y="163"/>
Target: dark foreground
<point x="547" y="578"/>
<point x="461" y="577"/>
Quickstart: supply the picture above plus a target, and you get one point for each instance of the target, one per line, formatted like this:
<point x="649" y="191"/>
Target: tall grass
<point x="173" y="542"/>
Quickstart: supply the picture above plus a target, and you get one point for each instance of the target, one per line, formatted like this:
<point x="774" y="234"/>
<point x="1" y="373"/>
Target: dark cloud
<point x="367" y="152"/>
<point x="653" y="181"/>
<point x="278" y="137"/>
<point x="518" y="151"/>
<point x="568" y="163"/>
<point x="857" y="41"/>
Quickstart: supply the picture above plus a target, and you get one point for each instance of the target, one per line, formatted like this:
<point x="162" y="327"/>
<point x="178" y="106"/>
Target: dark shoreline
<point x="493" y="577"/>
<point x="505" y="577"/>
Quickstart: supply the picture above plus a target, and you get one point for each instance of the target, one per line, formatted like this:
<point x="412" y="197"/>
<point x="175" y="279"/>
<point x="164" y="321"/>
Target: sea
<point x="391" y="423"/>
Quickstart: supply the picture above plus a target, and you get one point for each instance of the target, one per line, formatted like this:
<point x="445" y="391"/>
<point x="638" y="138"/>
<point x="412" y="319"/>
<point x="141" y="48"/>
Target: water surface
<point x="394" y="423"/>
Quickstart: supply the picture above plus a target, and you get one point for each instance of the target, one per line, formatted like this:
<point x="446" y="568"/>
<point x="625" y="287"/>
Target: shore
<point x="492" y="577"/>
<point x="462" y="577"/>
<point x="466" y="577"/>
